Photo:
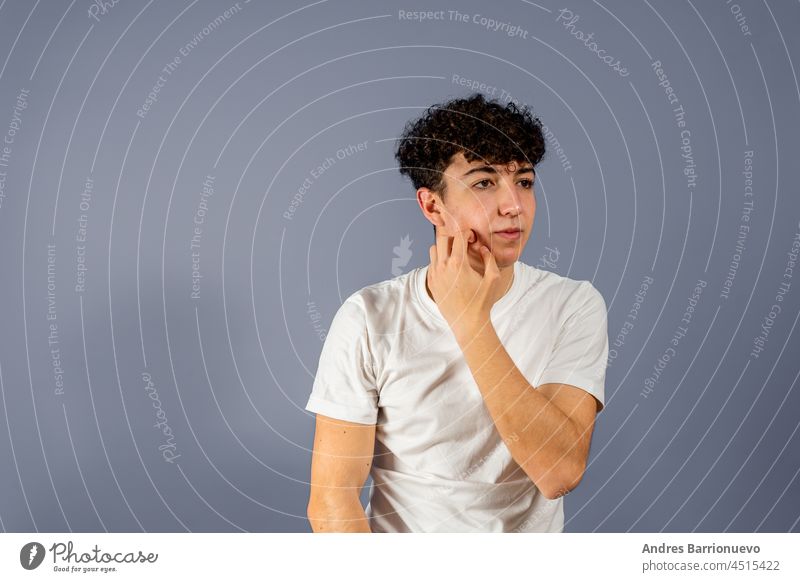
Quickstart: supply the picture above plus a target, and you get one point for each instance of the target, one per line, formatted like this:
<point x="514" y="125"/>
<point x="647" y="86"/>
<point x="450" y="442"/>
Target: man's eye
<point x="528" y="184"/>
<point x="485" y="182"/>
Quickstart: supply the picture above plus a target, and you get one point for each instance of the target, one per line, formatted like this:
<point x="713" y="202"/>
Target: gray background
<point x="261" y="99"/>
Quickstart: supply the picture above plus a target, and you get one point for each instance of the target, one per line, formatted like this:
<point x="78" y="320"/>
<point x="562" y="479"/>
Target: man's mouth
<point x="509" y="233"/>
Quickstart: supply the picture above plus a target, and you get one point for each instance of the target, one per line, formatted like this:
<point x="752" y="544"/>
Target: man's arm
<point x="340" y="464"/>
<point x="548" y="430"/>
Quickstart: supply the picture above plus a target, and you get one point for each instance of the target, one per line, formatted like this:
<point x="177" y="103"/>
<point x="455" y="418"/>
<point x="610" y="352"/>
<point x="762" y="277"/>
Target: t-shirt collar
<point x="498" y="308"/>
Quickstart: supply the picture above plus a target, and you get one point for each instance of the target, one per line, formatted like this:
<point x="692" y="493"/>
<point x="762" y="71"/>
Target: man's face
<point x="489" y="199"/>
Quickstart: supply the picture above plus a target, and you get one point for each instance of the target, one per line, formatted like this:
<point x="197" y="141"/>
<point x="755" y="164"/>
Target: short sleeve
<point x="344" y="387"/>
<point x="580" y="353"/>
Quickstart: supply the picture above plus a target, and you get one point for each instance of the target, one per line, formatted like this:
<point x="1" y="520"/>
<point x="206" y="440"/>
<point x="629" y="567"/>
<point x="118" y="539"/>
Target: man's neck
<point x="504" y="285"/>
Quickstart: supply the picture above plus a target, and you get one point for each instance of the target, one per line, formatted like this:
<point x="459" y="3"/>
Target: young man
<point x="467" y="388"/>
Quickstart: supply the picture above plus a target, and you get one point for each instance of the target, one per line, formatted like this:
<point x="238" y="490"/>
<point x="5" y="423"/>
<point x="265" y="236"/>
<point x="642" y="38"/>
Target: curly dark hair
<point x="483" y="130"/>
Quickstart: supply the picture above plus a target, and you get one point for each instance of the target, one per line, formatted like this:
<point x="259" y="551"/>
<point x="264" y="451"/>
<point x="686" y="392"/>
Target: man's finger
<point x="490" y="269"/>
<point x="460" y="247"/>
<point x="442" y="245"/>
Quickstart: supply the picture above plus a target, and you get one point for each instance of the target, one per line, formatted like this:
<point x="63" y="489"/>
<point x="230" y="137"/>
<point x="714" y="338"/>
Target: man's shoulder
<point x="384" y="296"/>
<point x="561" y="289"/>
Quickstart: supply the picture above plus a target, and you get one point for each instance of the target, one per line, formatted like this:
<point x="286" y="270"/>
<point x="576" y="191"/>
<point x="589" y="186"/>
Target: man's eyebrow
<point x="491" y="170"/>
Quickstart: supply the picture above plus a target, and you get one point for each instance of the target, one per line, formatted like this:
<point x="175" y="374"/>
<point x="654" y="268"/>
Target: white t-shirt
<point x="440" y="464"/>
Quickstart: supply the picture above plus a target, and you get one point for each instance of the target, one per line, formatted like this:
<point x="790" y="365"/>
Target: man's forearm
<point x="541" y="438"/>
<point x="341" y="514"/>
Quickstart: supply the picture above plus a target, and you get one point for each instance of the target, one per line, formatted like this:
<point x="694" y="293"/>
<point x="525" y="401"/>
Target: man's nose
<point x="509" y="200"/>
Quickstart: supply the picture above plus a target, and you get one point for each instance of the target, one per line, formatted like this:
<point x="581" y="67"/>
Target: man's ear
<point x="431" y="205"/>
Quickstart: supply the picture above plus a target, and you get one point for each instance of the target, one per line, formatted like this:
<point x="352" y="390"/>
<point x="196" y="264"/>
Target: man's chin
<point x="503" y="261"/>
<point x="506" y="257"/>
